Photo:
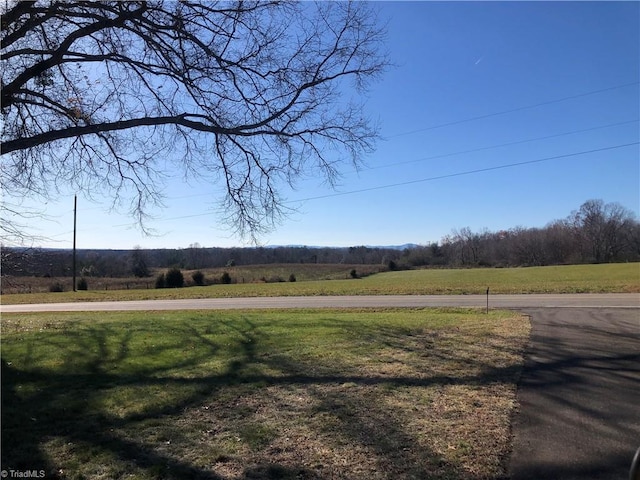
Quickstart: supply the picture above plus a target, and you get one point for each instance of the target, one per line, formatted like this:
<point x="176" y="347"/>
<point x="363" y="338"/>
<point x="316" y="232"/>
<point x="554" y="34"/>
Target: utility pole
<point x="75" y="209"/>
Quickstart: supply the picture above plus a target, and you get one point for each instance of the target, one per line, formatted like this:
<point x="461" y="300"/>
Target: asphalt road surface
<point x="579" y="395"/>
<point x="627" y="300"/>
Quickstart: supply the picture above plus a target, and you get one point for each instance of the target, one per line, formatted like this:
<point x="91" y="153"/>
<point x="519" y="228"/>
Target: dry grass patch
<point x="366" y="394"/>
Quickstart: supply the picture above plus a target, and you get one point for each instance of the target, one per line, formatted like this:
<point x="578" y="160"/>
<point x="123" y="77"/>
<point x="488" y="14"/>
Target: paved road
<point x="626" y="300"/>
<point x="579" y="395"/>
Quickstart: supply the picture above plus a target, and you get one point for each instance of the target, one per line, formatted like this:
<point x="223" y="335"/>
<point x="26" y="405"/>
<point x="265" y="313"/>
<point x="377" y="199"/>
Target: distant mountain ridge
<point x="404" y="246"/>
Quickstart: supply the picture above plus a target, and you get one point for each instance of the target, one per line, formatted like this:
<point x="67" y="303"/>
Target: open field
<point x="603" y="278"/>
<point x="259" y="274"/>
<point x="357" y="394"/>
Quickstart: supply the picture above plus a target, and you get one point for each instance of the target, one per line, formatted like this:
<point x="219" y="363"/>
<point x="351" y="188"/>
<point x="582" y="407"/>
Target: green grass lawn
<point x="604" y="278"/>
<point x="357" y="394"/>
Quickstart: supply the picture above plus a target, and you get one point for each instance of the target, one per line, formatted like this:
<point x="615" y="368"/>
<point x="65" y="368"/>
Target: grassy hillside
<point x="604" y="278"/>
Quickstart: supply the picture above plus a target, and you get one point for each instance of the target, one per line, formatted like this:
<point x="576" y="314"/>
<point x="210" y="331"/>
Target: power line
<point x="459" y="174"/>
<point x="410" y="182"/>
<point x="517" y="109"/>
<point x="456" y="122"/>
<point x="518" y="142"/>
<point x="462" y="152"/>
<point x="488" y="115"/>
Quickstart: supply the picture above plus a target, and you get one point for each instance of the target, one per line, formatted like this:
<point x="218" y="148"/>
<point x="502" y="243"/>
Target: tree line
<point x="597" y="232"/>
<point x="141" y="263"/>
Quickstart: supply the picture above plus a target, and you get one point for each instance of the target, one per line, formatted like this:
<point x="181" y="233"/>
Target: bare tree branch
<point x="98" y="95"/>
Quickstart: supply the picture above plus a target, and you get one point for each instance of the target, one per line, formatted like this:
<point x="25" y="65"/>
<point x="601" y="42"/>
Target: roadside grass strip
<point x="313" y="394"/>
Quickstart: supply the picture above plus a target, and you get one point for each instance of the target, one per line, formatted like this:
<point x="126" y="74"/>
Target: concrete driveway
<point x="579" y="396"/>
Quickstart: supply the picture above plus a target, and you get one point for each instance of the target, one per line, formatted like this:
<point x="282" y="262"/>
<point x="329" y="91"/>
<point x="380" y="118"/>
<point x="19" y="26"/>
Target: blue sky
<point x="475" y="86"/>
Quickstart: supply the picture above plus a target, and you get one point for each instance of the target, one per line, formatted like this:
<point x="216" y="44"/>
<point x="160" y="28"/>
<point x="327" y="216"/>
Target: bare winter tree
<point x="105" y="97"/>
<point x="603" y="229"/>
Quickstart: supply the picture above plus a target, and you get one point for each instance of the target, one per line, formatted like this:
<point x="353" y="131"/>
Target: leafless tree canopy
<point x="104" y="97"/>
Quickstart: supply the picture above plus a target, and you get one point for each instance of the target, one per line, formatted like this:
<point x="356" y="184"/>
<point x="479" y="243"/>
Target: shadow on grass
<point x="580" y="381"/>
<point x="54" y="390"/>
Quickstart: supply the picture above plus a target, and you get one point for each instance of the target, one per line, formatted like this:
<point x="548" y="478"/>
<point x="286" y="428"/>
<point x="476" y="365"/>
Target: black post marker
<point x="487" y="300"/>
